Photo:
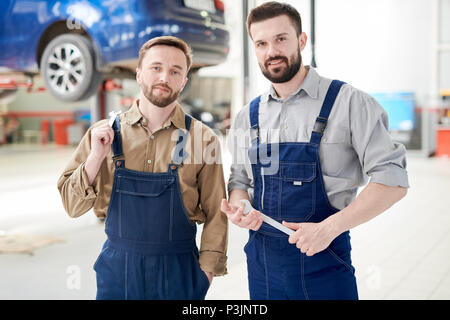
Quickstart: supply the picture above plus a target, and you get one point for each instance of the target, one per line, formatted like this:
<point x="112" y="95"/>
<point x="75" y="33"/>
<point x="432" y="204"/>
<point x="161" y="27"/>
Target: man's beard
<point x="157" y="100"/>
<point x="279" y="76"/>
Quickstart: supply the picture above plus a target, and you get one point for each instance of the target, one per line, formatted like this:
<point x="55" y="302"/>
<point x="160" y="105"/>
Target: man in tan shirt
<point x="153" y="175"/>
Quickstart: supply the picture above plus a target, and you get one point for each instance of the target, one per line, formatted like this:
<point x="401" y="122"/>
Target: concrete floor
<point x="402" y="254"/>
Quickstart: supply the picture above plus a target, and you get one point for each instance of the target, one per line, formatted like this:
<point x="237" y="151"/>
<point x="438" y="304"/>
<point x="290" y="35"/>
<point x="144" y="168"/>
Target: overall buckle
<point x="320" y="125"/>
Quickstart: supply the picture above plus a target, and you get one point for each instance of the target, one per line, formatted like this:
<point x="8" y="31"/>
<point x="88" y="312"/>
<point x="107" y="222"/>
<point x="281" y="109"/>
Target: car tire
<point x="68" y="68"/>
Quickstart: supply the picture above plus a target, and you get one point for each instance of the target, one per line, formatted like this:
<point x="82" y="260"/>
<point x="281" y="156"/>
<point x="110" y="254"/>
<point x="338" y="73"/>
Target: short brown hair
<point x="167" y="41"/>
<point x="274" y="9"/>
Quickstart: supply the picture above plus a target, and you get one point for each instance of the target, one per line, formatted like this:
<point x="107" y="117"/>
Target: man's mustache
<point x="162" y="85"/>
<point x="266" y="63"/>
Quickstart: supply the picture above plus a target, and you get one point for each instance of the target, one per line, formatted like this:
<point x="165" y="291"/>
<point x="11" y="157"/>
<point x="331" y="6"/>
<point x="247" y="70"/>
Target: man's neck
<point x="285" y="89"/>
<point x="155" y="115"/>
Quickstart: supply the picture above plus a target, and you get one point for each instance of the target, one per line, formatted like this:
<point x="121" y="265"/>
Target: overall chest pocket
<point x="139" y="187"/>
<point x="295" y="191"/>
<point x="145" y="208"/>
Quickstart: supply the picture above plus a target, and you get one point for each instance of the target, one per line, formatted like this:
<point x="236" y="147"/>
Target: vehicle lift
<point x="11" y="83"/>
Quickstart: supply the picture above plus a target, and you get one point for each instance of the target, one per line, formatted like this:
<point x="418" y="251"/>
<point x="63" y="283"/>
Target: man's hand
<point x="101" y="140"/>
<point x="310" y="238"/>
<point x="236" y="215"/>
<point x="210" y="276"/>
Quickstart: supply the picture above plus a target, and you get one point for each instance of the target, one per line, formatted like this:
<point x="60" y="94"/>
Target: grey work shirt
<point x="356" y="143"/>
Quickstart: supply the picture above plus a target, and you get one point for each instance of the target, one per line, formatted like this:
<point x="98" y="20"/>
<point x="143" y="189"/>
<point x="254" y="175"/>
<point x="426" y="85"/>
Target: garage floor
<point x="402" y="254"/>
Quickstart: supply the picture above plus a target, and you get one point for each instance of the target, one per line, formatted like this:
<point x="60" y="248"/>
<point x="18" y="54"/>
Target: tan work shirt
<point x="201" y="176"/>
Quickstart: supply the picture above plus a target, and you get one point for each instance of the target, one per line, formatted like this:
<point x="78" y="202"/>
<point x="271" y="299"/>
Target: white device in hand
<point x="112" y="117"/>
<point x="248" y="207"/>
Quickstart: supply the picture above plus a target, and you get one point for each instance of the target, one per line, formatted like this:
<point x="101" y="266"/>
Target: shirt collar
<point x="134" y="115"/>
<point x="310" y="85"/>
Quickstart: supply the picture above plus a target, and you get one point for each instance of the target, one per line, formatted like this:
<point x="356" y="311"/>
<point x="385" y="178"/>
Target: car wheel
<point x="68" y="68"/>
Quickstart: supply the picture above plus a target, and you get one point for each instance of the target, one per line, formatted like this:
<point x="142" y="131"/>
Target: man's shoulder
<point x="351" y="92"/>
<point x="347" y="90"/>
<point x="98" y="123"/>
<point x="358" y="102"/>
<point x="243" y="115"/>
<point x="200" y="127"/>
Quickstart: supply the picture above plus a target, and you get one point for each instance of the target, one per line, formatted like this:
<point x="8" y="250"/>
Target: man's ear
<point x="302" y="39"/>
<point x="138" y="75"/>
<point x="184" y="83"/>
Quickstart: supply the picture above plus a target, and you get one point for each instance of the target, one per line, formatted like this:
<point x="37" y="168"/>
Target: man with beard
<point x="311" y="143"/>
<point x="141" y="174"/>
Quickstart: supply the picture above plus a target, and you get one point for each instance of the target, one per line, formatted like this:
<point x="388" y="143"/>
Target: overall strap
<point x="254" y="118"/>
<point x="322" y="119"/>
<point x="117" y="142"/>
<point x="180" y="154"/>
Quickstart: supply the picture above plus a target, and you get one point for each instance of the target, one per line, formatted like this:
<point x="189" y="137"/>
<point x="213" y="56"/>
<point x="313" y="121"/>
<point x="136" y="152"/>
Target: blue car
<point x="75" y="44"/>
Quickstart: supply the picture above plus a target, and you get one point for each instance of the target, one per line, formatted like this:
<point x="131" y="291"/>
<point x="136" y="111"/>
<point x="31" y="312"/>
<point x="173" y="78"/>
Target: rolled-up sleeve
<point x="77" y="195"/>
<point x="211" y="185"/>
<point x="381" y="158"/>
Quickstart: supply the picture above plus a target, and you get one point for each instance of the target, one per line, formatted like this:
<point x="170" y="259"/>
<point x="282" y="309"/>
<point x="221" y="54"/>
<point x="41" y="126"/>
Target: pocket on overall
<point x="203" y="278"/>
<point x="145" y="204"/>
<point x="340" y="249"/>
<point x="185" y="279"/>
<point x="295" y="188"/>
<point x="110" y="275"/>
<point x="251" y="238"/>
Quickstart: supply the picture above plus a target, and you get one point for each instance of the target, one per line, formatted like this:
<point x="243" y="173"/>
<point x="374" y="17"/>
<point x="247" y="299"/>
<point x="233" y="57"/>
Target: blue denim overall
<point x="150" y="252"/>
<point x="292" y="189"/>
